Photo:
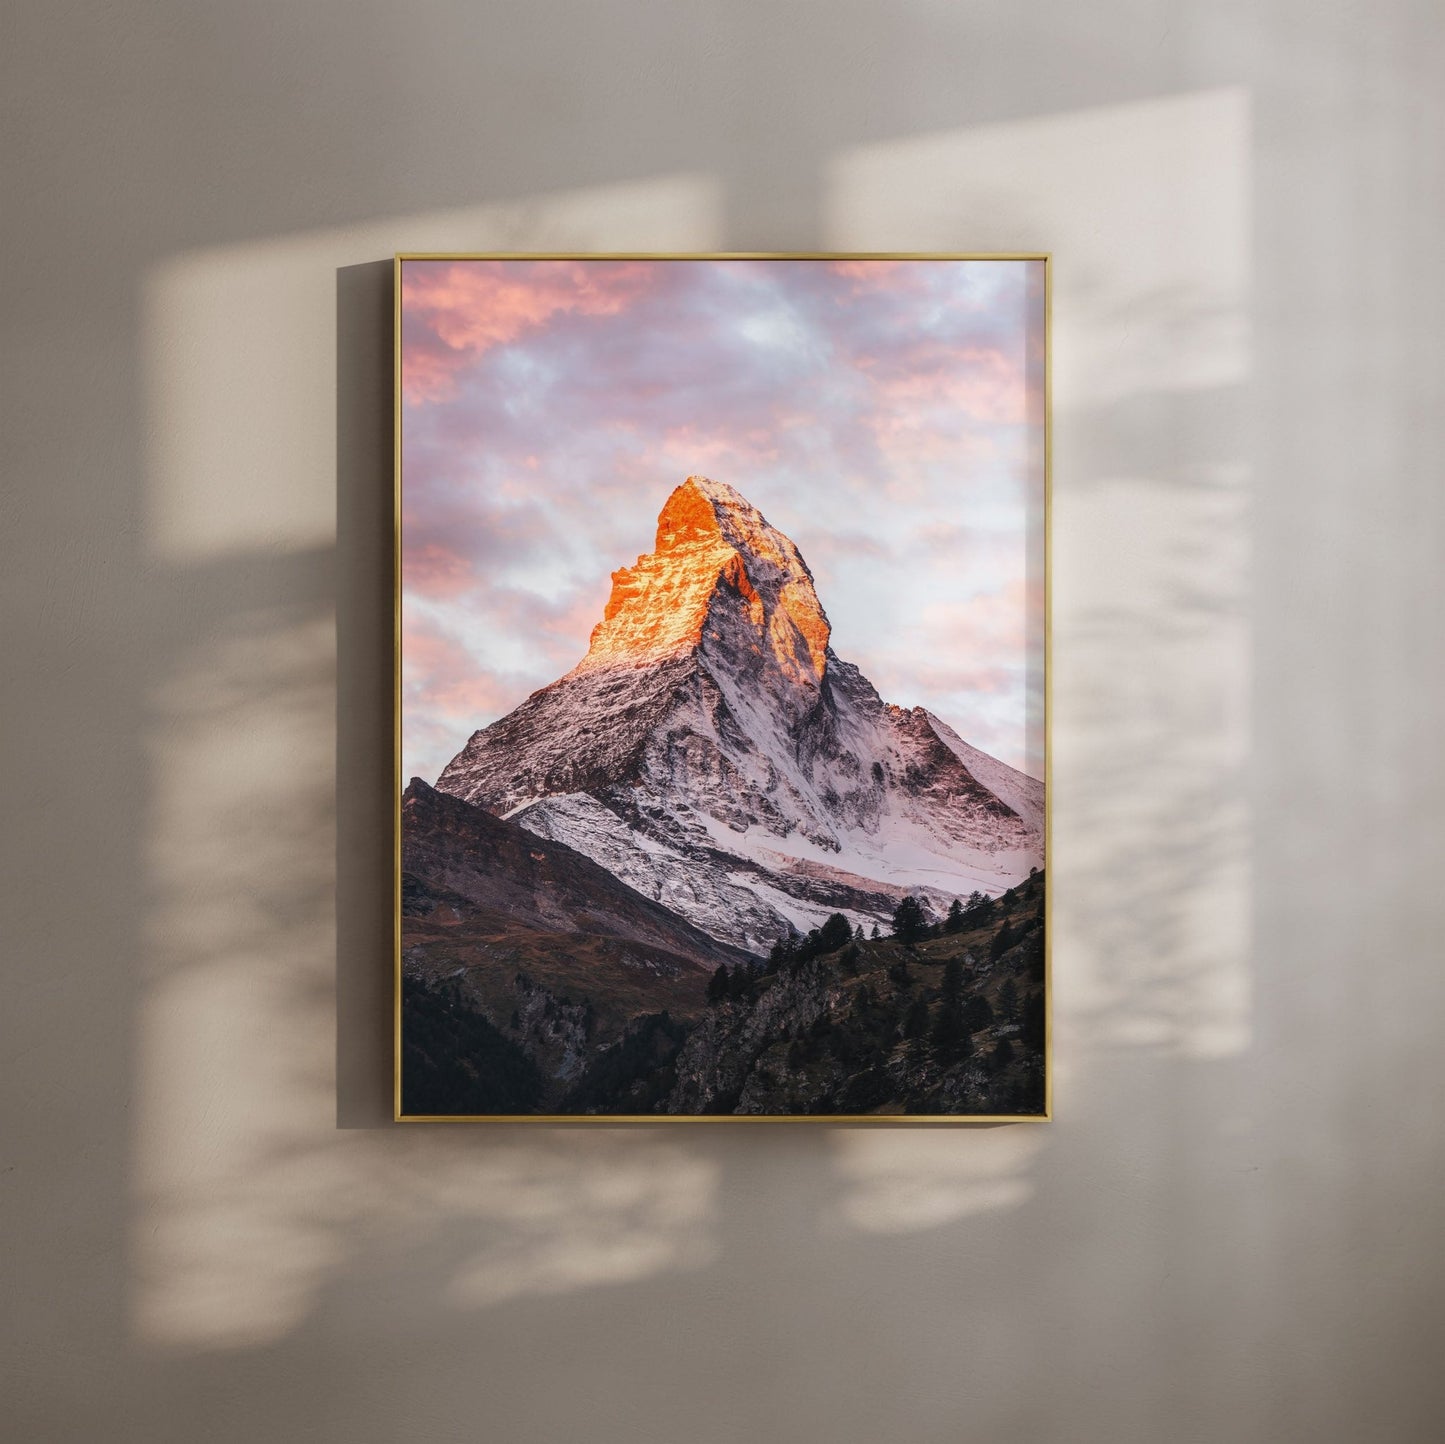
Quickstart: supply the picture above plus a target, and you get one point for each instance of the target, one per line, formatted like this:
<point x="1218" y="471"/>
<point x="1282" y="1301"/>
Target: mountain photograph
<point x="707" y="868"/>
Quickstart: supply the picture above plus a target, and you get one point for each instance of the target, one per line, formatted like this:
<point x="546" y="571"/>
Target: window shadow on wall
<point x="280" y="1216"/>
<point x="285" y="1241"/>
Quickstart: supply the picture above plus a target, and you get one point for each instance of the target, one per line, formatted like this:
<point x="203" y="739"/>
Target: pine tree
<point x="915" y="1022"/>
<point x="834" y="934"/>
<point x="908" y="921"/>
<point x="1003" y="940"/>
<point x="719" y="985"/>
<point x="953" y="923"/>
<point x="1008" y="1001"/>
<point x="1032" y="1033"/>
<point x="953" y="979"/>
<point x="980" y="910"/>
<point x="950" y="1037"/>
<point x="977" y="1013"/>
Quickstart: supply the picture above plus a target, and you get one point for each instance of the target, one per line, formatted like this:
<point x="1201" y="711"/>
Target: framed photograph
<point x="722" y="657"/>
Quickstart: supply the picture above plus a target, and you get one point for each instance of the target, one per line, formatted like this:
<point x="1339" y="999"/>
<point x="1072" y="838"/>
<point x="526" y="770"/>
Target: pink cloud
<point x="437" y="572"/>
<point x="968" y="546"/>
<point x="848" y="546"/>
<point x="457" y="311"/>
<point x="440" y="677"/>
<point x="453" y="535"/>
<point x="976" y="644"/>
<point x="911" y="445"/>
<point x="445" y="681"/>
<point x="690" y="448"/>
<point x="982" y="384"/>
<point x="992" y="624"/>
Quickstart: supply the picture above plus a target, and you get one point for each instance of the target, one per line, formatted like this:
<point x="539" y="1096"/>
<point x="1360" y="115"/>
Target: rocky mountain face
<point x="714" y="754"/>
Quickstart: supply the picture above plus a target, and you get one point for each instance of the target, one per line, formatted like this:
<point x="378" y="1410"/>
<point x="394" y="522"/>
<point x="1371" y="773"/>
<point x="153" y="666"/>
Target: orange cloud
<point x="863" y="270"/>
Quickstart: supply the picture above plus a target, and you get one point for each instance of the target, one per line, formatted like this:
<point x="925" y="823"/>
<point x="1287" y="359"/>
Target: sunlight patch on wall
<point x="238" y="1215"/>
<point x="1145" y="209"/>
<point x="240" y="352"/>
<point x="607" y="1212"/>
<point x="911" y="1179"/>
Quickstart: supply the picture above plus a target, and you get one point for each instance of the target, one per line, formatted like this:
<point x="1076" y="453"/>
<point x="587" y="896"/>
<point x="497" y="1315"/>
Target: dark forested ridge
<point x="454" y="1061"/>
<point x="938" y="1017"/>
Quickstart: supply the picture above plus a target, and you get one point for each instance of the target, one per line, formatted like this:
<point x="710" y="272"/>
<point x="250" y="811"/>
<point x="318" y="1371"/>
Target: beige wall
<point x="1231" y="1232"/>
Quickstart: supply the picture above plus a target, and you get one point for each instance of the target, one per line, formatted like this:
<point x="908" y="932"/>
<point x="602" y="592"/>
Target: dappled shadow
<point x="1208" y="1244"/>
<point x="1146" y="206"/>
<point x="264" y="1236"/>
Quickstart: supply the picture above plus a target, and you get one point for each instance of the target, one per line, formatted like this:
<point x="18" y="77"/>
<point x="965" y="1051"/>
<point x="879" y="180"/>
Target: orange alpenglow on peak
<point x="713" y="547"/>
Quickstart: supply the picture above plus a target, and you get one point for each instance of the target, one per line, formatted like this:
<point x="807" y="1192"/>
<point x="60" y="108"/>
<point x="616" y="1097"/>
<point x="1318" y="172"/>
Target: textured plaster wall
<point x="1231" y="1232"/>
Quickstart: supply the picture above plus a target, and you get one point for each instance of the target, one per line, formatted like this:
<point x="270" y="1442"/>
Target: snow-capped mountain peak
<point x="714" y="753"/>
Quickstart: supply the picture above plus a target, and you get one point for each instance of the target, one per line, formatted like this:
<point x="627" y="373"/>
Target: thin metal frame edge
<point x="895" y="1120"/>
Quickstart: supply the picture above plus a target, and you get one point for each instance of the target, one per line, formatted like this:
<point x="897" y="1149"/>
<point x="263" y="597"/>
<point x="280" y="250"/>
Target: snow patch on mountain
<point x="1021" y="792"/>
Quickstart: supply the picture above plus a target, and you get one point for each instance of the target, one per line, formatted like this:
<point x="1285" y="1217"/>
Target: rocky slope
<point x="714" y="754"/>
<point x="452" y="850"/>
<point x="500" y="1016"/>
<point x="521" y="959"/>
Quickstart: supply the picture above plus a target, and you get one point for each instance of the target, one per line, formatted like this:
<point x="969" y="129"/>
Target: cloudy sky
<point x="885" y="415"/>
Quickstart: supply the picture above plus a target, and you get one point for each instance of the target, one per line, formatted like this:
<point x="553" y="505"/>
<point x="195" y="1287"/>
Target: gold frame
<point x="894" y="1120"/>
